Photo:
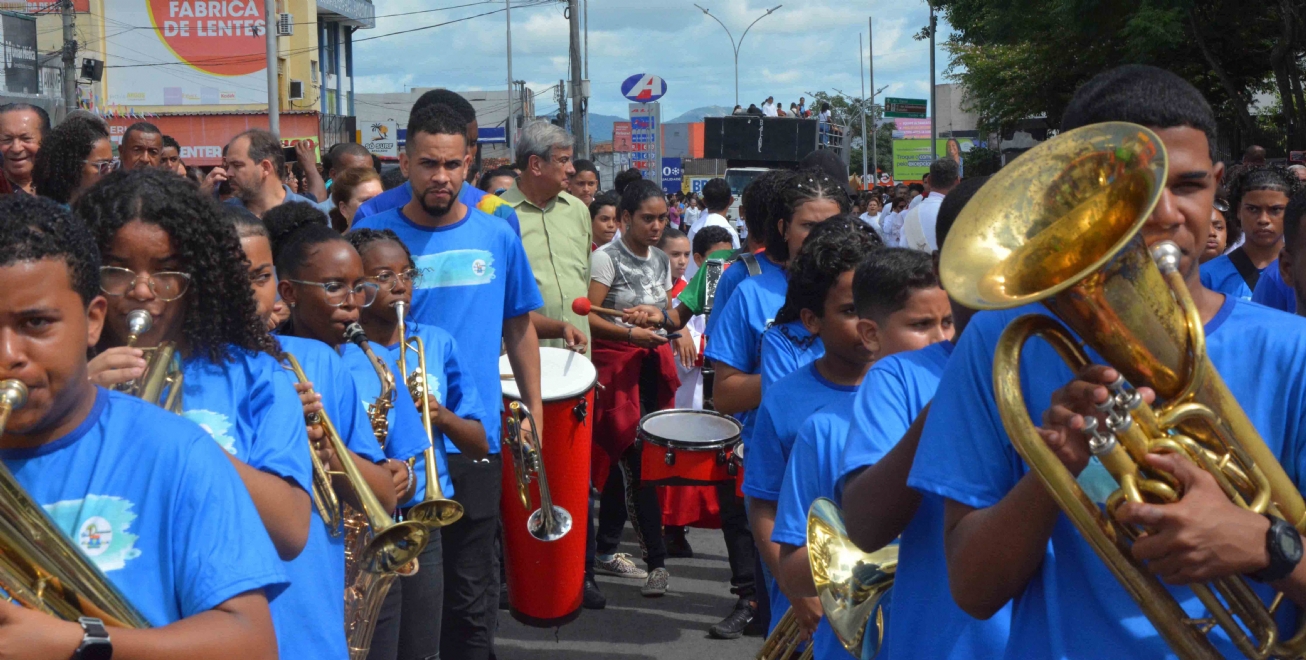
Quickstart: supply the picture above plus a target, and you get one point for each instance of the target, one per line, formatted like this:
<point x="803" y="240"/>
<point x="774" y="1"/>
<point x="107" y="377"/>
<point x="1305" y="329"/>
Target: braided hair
<point x="220" y="311"/>
<point x="834" y="247"/>
<point x="1259" y="177"/>
<point x="755" y="201"/>
<point x="795" y="190"/>
<point x="293" y="229"/>
<point x="362" y="239"/>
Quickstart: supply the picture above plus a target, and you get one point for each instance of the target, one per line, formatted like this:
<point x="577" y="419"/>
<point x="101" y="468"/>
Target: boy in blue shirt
<point x="147" y="496"/>
<point x="1005" y="537"/>
<point x="476" y="284"/>
<point x="1258" y="195"/>
<point x="887" y="417"/>
<point x="1291" y="266"/>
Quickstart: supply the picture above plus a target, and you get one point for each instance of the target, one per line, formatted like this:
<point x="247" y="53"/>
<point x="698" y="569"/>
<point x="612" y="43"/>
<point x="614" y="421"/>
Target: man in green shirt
<point x="555" y="230"/>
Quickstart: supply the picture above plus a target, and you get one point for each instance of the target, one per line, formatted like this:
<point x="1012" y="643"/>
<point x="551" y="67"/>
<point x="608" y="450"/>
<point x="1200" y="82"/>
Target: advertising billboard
<point x="18" y="41"/>
<point x="195" y="52"/>
<point x="911" y="158"/>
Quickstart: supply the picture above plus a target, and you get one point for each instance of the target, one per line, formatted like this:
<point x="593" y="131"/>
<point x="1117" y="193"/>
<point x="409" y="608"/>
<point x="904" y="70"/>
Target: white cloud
<point x="806" y="46"/>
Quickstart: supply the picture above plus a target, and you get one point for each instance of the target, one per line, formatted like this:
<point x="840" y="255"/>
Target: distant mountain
<point x="601" y="126"/>
<point x="697" y="114"/>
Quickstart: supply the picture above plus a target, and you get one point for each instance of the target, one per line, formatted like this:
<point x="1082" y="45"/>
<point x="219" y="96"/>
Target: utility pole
<point x="875" y="127"/>
<point x="274" y="89"/>
<point x="510" y="123"/>
<point x="562" y="102"/>
<point x="69" y="55"/>
<point x="934" y="110"/>
<point x="862" y="76"/>
<point x="578" y="128"/>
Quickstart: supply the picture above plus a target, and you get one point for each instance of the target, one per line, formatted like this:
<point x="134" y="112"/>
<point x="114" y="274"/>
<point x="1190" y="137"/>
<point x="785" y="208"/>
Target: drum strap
<point x="750" y="260"/>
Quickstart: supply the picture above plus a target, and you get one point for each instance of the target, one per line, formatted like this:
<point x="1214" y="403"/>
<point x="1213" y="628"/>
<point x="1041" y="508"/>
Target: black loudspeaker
<point x="92" y="69"/>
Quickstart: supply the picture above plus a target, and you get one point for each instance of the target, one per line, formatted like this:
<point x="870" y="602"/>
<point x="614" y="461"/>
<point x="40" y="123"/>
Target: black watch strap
<point x="95" y="641"/>
<point x="1284" y="547"/>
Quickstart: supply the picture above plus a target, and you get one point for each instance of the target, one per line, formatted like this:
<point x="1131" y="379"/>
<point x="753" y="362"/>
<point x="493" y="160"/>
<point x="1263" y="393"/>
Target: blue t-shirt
<point x="310" y="615"/>
<point x="892" y="395"/>
<point x="446" y="377"/>
<point x="155" y="505"/>
<point x="475" y="274"/>
<point x="785" y="348"/>
<point x="813" y="472"/>
<point x="730" y="280"/>
<point x="785" y="407"/>
<point x="1272" y="291"/>
<point x="736" y="338"/>
<point x="406" y="437"/>
<point x="250" y="407"/>
<point x="1219" y="274"/>
<point x="1074" y="607"/>
<point x="469" y="195"/>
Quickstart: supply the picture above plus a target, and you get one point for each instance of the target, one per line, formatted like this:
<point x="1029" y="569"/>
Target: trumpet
<point x="368" y="580"/>
<point x="549" y="522"/>
<point x="162" y="369"/>
<point x="1073" y="243"/>
<point x="40" y="568"/>
<point x="434" y="510"/>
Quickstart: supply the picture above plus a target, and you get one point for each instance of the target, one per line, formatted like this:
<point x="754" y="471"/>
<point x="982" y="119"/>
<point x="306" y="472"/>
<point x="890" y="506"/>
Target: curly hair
<point x="220" y="311"/>
<point x="293" y="228"/>
<point x="834" y="247"/>
<point x="794" y="191"/>
<point x="1259" y="177"/>
<point x="755" y="201"/>
<point x="57" y="173"/>
<point x="34" y="228"/>
<point x="362" y="239"/>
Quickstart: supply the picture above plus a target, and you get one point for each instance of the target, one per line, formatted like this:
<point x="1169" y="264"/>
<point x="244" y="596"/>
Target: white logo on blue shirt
<point x="454" y="268"/>
<point x="217" y="425"/>
<point x="433" y="387"/>
<point x="98" y="525"/>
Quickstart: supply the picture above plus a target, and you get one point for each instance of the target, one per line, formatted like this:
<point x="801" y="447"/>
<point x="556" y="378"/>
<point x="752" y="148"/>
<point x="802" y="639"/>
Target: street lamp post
<point x="740" y="44"/>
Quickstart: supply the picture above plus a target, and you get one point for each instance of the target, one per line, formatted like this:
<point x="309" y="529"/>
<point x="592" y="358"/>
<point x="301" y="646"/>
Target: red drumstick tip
<point x="581" y="306"/>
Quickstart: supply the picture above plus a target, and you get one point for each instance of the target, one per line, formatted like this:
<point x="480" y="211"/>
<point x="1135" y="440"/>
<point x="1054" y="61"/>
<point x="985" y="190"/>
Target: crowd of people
<point x="822" y="326"/>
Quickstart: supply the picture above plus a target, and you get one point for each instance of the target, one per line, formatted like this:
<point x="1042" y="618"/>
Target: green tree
<point x="845" y="110"/>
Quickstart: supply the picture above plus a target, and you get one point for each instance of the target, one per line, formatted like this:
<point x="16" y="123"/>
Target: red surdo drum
<point x="738" y="457"/>
<point x="687" y="447"/>
<point x="545" y="578"/>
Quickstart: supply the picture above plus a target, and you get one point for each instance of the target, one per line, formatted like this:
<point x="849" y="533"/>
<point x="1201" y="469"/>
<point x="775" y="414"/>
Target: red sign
<point x="202" y="137"/>
<point x="221" y="37"/>
<point x="43" y="6"/>
<point x="621" y="136"/>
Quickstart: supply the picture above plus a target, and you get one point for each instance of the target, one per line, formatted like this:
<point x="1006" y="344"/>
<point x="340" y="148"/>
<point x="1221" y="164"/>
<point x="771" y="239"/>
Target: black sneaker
<point x="503" y="597"/>
<point x="732" y="627"/>
<point x="592" y="598"/>
<point x="677" y="544"/>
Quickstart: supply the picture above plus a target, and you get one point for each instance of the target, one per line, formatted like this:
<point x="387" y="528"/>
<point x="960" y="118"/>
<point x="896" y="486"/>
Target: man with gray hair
<point x="918" y="228"/>
<point x="555" y="228"/>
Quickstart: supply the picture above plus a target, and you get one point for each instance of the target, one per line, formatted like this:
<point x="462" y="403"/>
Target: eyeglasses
<point x="390" y="280"/>
<point x="337" y="292"/>
<point x="104" y="167"/>
<point x="165" y="285"/>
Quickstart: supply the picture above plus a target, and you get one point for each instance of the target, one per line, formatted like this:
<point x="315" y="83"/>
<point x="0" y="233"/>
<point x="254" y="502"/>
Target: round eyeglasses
<point x="165" y="285"/>
<point x="337" y="293"/>
<point x="389" y="280"/>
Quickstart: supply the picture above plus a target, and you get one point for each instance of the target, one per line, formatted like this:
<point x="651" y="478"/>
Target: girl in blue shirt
<point x="312" y="609"/>
<point x="145" y="495"/>
<point x="165" y="249"/>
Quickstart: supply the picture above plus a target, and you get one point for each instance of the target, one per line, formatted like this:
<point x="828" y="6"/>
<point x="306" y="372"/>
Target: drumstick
<point x="582" y="307"/>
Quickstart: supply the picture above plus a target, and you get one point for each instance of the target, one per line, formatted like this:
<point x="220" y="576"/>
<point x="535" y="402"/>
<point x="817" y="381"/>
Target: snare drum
<point x="545" y="580"/>
<point x="685" y="447"/>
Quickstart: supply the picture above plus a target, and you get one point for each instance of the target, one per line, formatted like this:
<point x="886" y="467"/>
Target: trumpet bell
<point x="394" y="547"/>
<point x="436" y="513"/>
<point x="541" y="528"/>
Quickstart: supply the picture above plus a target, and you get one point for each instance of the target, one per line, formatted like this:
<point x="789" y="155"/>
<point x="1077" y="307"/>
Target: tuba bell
<point x="40" y="568"/>
<point x="854" y="586"/>
<point x="1061" y="226"/>
<point x="162" y="367"/>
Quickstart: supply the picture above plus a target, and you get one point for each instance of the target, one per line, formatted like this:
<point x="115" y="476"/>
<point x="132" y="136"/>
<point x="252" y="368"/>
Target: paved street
<point x="637" y="628"/>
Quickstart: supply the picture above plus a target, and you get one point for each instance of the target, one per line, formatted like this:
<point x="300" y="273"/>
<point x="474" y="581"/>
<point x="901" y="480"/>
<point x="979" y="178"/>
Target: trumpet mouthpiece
<point x="139" y="322"/>
<point x="354" y="334"/>
<point x="581" y="306"/>
<point x="400" y="307"/>
<point x="13" y="394"/>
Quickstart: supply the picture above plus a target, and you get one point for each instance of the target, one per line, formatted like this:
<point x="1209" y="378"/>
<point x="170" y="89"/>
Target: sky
<point x="804" y="47"/>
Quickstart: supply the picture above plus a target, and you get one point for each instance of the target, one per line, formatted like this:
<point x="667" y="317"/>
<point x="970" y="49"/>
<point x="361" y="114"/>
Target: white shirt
<point x="690" y="393"/>
<point x="768" y="110"/>
<point x="891" y="229"/>
<point x="915" y="201"/>
<point x="918" y="230"/>
<point x="708" y="220"/>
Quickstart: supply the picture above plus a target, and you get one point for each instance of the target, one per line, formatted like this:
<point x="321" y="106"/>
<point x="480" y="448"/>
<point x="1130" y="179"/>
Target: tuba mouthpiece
<point x="1166" y="255"/>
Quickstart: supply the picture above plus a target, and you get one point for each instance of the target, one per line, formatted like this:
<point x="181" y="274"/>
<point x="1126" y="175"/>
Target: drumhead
<point x="690" y="429"/>
<point x="564" y="374"/>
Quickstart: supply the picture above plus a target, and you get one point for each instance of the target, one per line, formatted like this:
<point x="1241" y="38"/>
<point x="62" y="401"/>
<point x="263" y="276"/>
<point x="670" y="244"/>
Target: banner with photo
<point x="191" y="52"/>
<point x="911" y="158"/>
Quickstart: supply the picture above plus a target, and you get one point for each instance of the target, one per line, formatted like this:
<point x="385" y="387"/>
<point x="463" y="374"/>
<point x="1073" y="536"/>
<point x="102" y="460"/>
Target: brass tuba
<point x="549" y="522"/>
<point x="367" y="581"/>
<point x="854" y="586"/>
<point x="40" y="568"/>
<point x="1061" y="226"/>
<point x="162" y="366"/>
<point x="435" y="511"/>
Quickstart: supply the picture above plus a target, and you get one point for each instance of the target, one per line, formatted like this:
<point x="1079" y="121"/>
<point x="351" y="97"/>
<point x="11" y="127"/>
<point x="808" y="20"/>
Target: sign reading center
<point x="904" y="107"/>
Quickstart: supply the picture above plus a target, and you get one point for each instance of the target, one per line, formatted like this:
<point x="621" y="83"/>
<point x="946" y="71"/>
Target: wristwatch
<point x="95" y="641"/>
<point x="1283" y="544"/>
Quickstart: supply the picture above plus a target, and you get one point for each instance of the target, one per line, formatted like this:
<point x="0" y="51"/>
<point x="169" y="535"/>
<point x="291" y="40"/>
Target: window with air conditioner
<point x="285" y="25"/>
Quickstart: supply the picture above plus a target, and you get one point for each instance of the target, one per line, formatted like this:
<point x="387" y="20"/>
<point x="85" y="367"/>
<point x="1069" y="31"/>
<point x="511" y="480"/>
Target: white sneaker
<point x="621" y="566"/>
<point x="657" y="583"/>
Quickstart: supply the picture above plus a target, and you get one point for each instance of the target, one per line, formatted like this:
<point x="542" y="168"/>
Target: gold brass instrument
<point x="854" y="586"/>
<point x="549" y="522"/>
<point x="40" y="568"/>
<point x="368" y="573"/>
<point x="1061" y="226"/>
<point x="434" y="510"/>
<point x="162" y="369"/>
<point x="784" y="640"/>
